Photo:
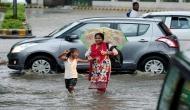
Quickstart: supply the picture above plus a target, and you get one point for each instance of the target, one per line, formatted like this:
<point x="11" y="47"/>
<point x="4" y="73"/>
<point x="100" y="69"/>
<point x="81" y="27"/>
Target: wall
<point x="53" y="3"/>
<point x="158" y="5"/>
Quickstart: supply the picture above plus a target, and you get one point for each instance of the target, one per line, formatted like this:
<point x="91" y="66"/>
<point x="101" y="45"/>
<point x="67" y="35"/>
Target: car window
<point x="180" y="23"/>
<point x="89" y="26"/>
<point x="133" y="29"/>
<point x="184" y="102"/>
<point x="169" y="88"/>
<point x="128" y="29"/>
<point x="143" y="29"/>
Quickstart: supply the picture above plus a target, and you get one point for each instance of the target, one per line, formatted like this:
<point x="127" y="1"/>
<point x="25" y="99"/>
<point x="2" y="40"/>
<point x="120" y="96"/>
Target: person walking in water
<point x="70" y="58"/>
<point x="100" y="64"/>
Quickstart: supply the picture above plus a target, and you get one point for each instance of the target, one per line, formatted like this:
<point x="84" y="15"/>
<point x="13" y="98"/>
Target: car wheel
<point x="41" y="64"/>
<point x="154" y="64"/>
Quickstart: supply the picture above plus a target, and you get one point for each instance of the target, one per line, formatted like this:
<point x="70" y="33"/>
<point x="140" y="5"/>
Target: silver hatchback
<point x="149" y="47"/>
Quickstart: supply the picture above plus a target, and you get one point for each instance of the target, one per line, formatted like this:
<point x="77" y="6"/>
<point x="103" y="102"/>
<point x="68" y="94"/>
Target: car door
<point x="180" y="26"/>
<point x="138" y="38"/>
<point x="79" y="30"/>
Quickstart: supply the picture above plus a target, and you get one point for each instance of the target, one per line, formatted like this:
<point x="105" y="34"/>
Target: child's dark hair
<point x="100" y="34"/>
<point x="71" y="50"/>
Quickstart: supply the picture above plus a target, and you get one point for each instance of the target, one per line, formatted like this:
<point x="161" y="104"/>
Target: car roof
<point x="169" y="13"/>
<point x="109" y="19"/>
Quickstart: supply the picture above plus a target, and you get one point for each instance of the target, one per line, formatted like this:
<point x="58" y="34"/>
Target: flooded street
<point x="47" y="92"/>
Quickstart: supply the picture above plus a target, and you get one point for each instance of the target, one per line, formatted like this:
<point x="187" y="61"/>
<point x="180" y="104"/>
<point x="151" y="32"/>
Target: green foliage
<point x="5" y="4"/>
<point x="20" y="12"/>
<point x="9" y="22"/>
<point x="12" y="24"/>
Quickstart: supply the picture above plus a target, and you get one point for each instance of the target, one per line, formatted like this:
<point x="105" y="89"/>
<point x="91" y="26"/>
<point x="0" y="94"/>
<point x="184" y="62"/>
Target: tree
<point x="15" y="9"/>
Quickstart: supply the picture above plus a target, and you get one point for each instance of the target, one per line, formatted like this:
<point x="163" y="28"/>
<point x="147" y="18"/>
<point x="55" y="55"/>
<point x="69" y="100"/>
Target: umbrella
<point x="115" y="37"/>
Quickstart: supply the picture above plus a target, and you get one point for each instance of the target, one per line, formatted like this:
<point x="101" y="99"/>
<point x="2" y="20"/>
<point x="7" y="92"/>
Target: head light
<point x="21" y="47"/>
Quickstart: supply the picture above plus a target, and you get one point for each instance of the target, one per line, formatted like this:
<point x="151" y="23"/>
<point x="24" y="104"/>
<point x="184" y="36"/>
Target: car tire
<point x="154" y="64"/>
<point x="41" y="64"/>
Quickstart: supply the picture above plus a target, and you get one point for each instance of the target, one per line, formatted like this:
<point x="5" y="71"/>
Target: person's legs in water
<point x="102" y="87"/>
<point x="101" y="90"/>
<point x="70" y="84"/>
<point x="71" y="89"/>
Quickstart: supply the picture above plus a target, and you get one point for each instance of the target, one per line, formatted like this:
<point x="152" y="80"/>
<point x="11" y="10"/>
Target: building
<point x="152" y="4"/>
<point x="144" y="4"/>
<point x="53" y="3"/>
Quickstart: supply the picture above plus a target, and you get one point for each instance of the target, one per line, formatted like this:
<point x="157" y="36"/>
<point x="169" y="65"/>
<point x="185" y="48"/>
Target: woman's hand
<point x="104" y="52"/>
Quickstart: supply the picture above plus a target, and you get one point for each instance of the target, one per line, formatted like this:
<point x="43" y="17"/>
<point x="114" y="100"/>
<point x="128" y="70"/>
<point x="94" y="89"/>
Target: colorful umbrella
<point x="115" y="37"/>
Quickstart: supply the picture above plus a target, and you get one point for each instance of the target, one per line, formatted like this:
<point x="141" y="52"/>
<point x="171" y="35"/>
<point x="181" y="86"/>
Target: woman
<point x="100" y="64"/>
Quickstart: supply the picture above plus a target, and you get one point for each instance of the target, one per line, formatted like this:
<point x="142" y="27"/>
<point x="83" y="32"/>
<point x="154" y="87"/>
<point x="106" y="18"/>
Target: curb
<point x="36" y="6"/>
<point x="117" y="9"/>
<point x="15" y="37"/>
<point x="16" y="33"/>
<point x="103" y="8"/>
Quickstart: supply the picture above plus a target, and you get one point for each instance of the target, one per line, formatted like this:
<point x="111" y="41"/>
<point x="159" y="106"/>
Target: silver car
<point x="149" y="46"/>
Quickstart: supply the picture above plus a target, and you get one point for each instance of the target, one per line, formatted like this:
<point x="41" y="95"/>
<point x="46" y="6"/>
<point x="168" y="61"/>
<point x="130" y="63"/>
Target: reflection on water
<point x="32" y="91"/>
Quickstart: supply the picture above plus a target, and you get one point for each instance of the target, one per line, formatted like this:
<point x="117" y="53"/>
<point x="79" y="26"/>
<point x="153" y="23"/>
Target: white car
<point x="178" y="22"/>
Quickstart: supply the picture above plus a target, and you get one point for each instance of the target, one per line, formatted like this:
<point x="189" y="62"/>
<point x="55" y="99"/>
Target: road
<point x="38" y="92"/>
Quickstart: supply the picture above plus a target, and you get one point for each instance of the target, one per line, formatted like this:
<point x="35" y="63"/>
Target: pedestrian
<point x="135" y="11"/>
<point x="28" y="2"/>
<point x="100" y="64"/>
<point x="70" y="58"/>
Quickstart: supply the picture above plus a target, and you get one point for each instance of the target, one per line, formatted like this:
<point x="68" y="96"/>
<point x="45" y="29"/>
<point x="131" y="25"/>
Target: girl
<point x="70" y="58"/>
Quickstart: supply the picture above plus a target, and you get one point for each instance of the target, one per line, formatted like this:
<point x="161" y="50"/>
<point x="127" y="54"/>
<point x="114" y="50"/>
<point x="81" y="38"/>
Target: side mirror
<point x="71" y="38"/>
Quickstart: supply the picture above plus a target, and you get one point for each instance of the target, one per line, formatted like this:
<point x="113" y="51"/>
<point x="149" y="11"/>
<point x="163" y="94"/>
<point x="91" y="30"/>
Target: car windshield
<point x="58" y="30"/>
<point x="64" y="29"/>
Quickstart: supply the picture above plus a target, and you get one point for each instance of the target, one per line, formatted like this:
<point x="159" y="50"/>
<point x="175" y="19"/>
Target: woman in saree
<point x="100" y="64"/>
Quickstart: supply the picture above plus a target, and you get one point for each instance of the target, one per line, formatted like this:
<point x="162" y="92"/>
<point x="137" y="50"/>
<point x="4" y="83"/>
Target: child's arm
<point x="81" y="60"/>
<point x="87" y="55"/>
<point x="63" y="56"/>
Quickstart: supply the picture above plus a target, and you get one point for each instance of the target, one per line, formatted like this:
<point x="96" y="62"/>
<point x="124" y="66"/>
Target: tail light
<point x="170" y="42"/>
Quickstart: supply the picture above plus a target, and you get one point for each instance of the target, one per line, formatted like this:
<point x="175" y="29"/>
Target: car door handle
<point x="142" y="40"/>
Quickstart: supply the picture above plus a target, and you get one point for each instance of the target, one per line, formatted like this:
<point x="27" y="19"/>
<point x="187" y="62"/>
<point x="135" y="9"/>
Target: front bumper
<point x="15" y="61"/>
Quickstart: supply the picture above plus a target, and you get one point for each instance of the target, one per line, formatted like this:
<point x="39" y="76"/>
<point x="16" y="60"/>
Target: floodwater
<point x="47" y="92"/>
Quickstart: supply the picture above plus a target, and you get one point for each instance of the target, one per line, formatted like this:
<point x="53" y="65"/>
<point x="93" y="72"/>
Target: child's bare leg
<point x="71" y="89"/>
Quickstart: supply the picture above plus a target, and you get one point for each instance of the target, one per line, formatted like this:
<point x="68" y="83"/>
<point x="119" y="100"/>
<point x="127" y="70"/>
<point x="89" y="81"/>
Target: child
<point x="70" y="58"/>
